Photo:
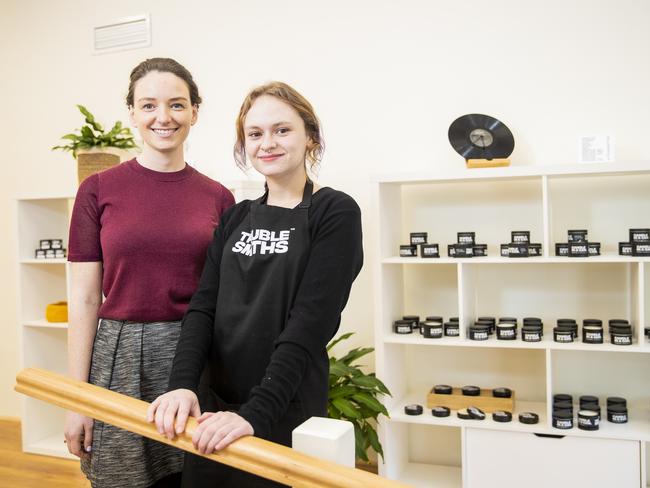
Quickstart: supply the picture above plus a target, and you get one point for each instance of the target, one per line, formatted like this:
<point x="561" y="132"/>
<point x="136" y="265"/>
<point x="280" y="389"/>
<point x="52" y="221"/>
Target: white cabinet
<point x="607" y="200"/>
<point x="499" y="459"/>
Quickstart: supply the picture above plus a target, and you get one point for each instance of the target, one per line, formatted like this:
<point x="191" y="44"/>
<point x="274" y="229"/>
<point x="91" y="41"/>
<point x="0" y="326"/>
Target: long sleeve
<point x="335" y="259"/>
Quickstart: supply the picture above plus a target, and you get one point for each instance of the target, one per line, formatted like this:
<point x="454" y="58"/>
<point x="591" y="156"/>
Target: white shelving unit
<point x="44" y="281"/>
<point x="43" y="344"/>
<point x="607" y="199"/>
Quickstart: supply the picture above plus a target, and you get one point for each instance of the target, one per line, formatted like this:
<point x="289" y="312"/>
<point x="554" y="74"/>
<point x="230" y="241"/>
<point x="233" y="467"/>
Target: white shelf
<point x="421" y="475"/>
<point x="44" y="261"/>
<point x="546" y="343"/>
<point x="515" y="172"/>
<point x="397" y="415"/>
<point x="50" y="446"/>
<point x="638" y="427"/>
<point x="45" y="324"/>
<point x="531" y="260"/>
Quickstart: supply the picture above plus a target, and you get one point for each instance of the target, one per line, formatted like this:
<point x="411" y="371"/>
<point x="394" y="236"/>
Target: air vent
<point x="127" y="33"/>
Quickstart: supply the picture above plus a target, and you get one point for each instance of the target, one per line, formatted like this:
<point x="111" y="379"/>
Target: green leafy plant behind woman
<point x="353" y="397"/>
<point x="92" y="134"/>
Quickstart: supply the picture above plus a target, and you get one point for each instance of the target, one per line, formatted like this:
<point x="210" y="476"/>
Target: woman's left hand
<point x="216" y="430"/>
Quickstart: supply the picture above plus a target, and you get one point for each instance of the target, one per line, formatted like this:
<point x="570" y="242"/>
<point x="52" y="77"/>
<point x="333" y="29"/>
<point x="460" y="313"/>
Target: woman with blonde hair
<point x="277" y="277"/>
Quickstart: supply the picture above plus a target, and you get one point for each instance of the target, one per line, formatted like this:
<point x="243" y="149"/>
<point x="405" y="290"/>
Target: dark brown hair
<point x="164" y="65"/>
<point x="295" y="100"/>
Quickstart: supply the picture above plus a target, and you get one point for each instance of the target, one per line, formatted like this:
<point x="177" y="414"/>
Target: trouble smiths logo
<point x="262" y="241"/>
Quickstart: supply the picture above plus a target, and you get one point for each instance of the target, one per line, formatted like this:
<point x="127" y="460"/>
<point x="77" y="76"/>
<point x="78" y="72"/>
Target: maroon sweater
<point x="151" y="231"/>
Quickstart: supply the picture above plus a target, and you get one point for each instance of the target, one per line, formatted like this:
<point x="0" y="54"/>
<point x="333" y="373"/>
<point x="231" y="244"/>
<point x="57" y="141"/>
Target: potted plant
<point x="90" y="145"/>
<point x="353" y="396"/>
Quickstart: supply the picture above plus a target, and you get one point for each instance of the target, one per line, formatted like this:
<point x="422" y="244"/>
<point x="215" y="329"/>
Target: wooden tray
<point x="485" y="401"/>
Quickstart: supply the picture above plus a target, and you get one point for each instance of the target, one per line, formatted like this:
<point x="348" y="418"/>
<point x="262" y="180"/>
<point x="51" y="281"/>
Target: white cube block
<point x="329" y="439"/>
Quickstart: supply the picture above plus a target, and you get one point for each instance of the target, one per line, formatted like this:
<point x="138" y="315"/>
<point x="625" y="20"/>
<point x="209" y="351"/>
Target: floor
<point x="20" y="470"/>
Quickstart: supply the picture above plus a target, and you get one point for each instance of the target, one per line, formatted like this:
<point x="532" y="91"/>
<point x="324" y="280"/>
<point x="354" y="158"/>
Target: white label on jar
<point x="465" y="239"/>
<point x="643" y="248"/>
<point x="564" y="338"/>
<point x="403" y="329"/>
<point x="452" y="332"/>
<point x="640" y="236"/>
<point x="622" y="340"/>
<point x="619" y="418"/>
<point x="480" y="336"/>
<point x="531" y="336"/>
<point x="506" y="332"/>
<point x="564" y="424"/>
<point x="593" y="335"/>
<point x="578" y="248"/>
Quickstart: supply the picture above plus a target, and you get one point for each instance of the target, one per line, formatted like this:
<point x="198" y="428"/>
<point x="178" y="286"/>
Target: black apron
<point x="261" y="268"/>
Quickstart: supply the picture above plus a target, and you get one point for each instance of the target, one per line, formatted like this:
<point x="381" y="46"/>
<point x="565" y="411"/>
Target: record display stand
<point x="488" y="163"/>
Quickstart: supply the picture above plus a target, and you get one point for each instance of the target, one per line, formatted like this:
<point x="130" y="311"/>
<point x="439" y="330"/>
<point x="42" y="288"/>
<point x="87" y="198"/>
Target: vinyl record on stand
<point x="478" y="136"/>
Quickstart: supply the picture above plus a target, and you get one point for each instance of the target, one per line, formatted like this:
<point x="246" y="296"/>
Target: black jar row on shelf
<point x="433" y="327"/>
<point x="637" y="245"/>
<point x="520" y="246"/>
<point x="50" y="249"/>
<point x="465" y="247"/>
<point x="578" y="246"/>
<point x="566" y="330"/>
<point x="506" y="328"/>
<point x="589" y="413"/>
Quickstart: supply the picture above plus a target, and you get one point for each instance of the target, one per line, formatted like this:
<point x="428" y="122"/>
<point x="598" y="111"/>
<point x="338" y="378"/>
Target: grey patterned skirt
<point x="134" y="359"/>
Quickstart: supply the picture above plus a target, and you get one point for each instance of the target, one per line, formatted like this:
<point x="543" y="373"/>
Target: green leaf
<point x="87" y="132"/>
<point x="356" y="353"/>
<point x="360" y="443"/>
<point x="340" y="369"/>
<point x="346" y="408"/>
<point x="84" y="111"/>
<point x="370" y="382"/>
<point x="370" y="402"/>
<point x="342" y="391"/>
<point x="341" y="338"/>
<point x="90" y="118"/>
<point x="333" y="412"/>
<point x="373" y="438"/>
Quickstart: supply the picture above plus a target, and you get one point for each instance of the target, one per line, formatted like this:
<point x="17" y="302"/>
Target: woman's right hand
<point x="173" y="405"/>
<point x="78" y="432"/>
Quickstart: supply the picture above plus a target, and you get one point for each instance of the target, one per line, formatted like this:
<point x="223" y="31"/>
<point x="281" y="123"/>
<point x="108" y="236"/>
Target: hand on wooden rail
<point x="216" y="430"/>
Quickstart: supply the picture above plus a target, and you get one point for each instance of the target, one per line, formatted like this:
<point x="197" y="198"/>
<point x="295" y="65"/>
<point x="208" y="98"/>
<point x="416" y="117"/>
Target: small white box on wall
<point x="596" y="149"/>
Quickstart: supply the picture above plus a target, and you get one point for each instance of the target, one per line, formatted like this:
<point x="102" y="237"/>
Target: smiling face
<point x="275" y="138"/>
<point x="162" y="111"/>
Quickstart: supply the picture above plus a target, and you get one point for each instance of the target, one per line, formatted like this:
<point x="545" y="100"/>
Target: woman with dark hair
<point x="138" y="236"/>
<point x="276" y="279"/>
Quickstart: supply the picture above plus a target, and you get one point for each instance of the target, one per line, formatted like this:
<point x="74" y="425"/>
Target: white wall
<point x="386" y="77"/>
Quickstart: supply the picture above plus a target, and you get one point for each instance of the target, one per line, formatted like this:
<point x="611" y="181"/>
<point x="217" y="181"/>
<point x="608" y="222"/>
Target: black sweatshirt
<point x="298" y="368"/>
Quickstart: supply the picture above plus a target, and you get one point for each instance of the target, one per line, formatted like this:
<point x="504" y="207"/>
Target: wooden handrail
<point x="257" y="456"/>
